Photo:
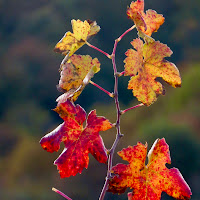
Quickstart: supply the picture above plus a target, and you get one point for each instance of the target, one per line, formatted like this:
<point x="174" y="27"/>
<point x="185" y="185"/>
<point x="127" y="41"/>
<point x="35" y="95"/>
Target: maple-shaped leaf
<point x="148" y="181"/>
<point x="76" y="72"/>
<point x="78" y="141"/>
<point x="82" y="31"/>
<point x="148" y="22"/>
<point x="147" y="63"/>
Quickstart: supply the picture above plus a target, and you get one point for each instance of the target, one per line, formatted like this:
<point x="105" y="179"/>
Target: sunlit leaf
<point x="148" y="22"/>
<point x="82" y="31"/>
<point x="148" y="181"/>
<point x="144" y="65"/>
<point x="79" y="141"/>
<point x="75" y="75"/>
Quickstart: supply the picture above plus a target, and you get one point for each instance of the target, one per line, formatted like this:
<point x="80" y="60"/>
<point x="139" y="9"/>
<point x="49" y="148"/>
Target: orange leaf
<point x="79" y="141"/>
<point x="148" y="181"/>
<point x="82" y="31"/>
<point x="75" y="74"/>
<point x="147" y="23"/>
<point x="146" y="64"/>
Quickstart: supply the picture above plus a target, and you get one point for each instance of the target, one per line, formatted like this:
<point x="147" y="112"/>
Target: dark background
<point x="29" y="74"/>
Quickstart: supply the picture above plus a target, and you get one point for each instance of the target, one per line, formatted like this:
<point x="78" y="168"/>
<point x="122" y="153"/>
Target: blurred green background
<point x="29" y="74"/>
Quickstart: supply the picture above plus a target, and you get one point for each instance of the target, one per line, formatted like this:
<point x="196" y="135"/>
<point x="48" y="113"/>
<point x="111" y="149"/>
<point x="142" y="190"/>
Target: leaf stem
<point x="124" y="111"/>
<point x="102" y="89"/>
<point x="130" y="29"/>
<point x="103" y="52"/>
<point x="62" y="194"/>
<point x="121" y="73"/>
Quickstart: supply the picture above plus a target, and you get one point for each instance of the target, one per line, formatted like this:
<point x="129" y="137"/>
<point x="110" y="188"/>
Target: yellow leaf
<point x="146" y="23"/>
<point x="71" y="42"/>
<point x="75" y="75"/>
<point x="144" y="65"/>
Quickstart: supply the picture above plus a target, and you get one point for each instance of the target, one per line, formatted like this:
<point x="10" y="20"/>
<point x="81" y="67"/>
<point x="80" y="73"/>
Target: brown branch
<point x="118" y="135"/>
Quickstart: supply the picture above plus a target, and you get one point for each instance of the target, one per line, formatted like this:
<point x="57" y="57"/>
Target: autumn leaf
<point x="75" y="75"/>
<point x="82" y="31"/>
<point x="75" y="70"/>
<point x="148" y="22"/>
<point x="148" y="181"/>
<point x="144" y="65"/>
<point x="78" y="141"/>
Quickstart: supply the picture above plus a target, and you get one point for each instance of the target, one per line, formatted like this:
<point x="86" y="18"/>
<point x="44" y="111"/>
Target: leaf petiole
<point x="131" y="108"/>
<point x="103" y="52"/>
<point x="120" y="73"/>
<point x="102" y="89"/>
<point x="62" y="194"/>
<point x="127" y="31"/>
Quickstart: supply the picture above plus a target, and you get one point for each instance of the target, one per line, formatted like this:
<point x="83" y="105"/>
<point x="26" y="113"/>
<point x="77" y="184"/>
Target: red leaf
<point x="78" y="141"/>
<point x="148" y="181"/>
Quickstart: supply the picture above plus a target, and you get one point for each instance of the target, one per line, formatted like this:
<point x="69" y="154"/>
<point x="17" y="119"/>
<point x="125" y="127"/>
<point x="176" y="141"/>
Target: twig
<point x="118" y="135"/>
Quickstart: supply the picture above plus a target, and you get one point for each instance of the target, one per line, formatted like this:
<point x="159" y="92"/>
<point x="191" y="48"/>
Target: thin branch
<point x="131" y="108"/>
<point x="130" y="29"/>
<point x="92" y="46"/>
<point x="118" y="135"/>
<point x="102" y="89"/>
<point x="62" y="194"/>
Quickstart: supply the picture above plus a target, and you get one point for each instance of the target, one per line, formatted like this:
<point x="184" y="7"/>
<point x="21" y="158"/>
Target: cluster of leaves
<point x="144" y="64"/>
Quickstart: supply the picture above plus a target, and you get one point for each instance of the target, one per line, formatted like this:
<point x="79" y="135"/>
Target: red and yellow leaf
<point x="147" y="23"/>
<point x="79" y="141"/>
<point x="147" y="63"/>
<point x="148" y="181"/>
<point x="82" y="31"/>
<point x="75" y="74"/>
<point x="75" y="70"/>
